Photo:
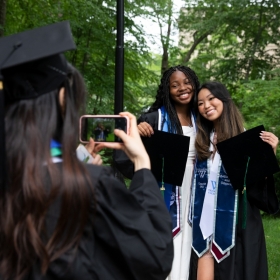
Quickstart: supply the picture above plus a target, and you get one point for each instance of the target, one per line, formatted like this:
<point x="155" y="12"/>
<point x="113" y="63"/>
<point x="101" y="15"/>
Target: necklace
<point x="189" y="123"/>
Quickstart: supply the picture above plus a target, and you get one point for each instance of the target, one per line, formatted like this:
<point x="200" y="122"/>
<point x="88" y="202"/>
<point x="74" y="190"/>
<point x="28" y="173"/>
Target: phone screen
<point x="101" y="129"/>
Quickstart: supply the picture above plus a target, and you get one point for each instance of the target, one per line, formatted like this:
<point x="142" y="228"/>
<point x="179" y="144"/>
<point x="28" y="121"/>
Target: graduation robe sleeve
<point x="263" y="195"/>
<point x="133" y="229"/>
<point x="151" y="118"/>
<point x="128" y="236"/>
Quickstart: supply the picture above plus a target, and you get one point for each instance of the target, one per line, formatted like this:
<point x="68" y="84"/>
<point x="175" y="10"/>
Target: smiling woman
<point x="173" y="112"/>
<point x="181" y="92"/>
<point x="209" y="106"/>
<point x="228" y="238"/>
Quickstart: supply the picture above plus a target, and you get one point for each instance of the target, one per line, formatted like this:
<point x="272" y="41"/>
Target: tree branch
<point x="194" y="45"/>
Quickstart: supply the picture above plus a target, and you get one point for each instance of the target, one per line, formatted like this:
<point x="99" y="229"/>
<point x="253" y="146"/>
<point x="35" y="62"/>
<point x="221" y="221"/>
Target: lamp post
<point x="119" y="59"/>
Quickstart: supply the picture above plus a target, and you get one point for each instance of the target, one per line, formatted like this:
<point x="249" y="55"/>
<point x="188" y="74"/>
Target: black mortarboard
<point x="168" y="154"/>
<point x="31" y="64"/>
<point x="247" y="157"/>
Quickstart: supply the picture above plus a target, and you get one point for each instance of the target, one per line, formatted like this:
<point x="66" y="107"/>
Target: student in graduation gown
<point x="173" y="112"/>
<point x="61" y="218"/>
<point x="244" y="251"/>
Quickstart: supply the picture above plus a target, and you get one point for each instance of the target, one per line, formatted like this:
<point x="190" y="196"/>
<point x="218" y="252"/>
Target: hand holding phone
<point x="101" y="127"/>
<point x="132" y="144"/>
<point x="83" y="154"/>
<point x="87" y="154"/>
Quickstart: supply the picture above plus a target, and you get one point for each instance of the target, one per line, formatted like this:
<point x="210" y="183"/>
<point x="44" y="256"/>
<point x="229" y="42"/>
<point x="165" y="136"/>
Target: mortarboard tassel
<point x="244" y="193"/>
<point x="237" y="208"/>
<point x="162" y="189"/>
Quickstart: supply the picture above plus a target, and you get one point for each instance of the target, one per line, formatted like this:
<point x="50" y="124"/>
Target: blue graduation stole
<point x="225" y="211"/>
<point x="199" y="245"/>
<point x="171" y="193"/>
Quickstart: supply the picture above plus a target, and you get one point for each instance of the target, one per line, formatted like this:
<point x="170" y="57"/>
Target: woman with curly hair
<point x="173" y="112"/>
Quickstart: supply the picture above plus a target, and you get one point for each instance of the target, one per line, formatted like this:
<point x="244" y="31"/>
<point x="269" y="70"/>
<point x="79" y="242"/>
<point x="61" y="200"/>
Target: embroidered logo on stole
<point x="224" y="213"/>
<point x="199" y="245"/>
<point x="225" y="217"/>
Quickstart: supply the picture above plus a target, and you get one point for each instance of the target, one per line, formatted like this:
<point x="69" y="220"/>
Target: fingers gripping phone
<point x="101" y="127"/>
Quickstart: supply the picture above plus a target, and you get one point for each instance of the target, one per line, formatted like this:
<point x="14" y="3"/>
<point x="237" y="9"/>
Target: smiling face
<point x="181" y="90"/>
<point x="209" y="106"/>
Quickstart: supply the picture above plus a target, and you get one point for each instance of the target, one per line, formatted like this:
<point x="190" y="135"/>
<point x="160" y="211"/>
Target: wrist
<point x="142" y="162"/>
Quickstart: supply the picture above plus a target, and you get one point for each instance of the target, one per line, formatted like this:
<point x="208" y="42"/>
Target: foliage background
<point x="233" y="41"/>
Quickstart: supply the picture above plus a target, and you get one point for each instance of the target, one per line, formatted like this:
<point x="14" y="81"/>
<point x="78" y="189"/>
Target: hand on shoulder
<point x="145" y="129"/>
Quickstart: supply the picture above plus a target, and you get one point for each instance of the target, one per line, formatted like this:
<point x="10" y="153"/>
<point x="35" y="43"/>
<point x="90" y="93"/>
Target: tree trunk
<point x="164" y="60"/>
<point x="85" y="57"/>
<point x="165" y="43"/>
<point x="3" y="6"/>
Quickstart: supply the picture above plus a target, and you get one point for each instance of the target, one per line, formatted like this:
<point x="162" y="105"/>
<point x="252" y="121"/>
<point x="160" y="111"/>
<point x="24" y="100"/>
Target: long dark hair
<point x="230" y="121"/>
<point x="163" y="95"/>
<point x="34" y="182"/>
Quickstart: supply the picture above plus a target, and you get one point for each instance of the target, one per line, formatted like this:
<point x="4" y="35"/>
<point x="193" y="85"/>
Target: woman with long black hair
<point x="61" y="218"/>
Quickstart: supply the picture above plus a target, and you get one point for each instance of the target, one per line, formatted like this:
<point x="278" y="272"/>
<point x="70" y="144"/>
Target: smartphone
<point x="101" y="127"/>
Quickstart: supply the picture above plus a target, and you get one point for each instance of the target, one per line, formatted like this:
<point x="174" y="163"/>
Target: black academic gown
<point x="129" y="237"/>
<point x="151" y="118"/>
<point x="248" y="258"/>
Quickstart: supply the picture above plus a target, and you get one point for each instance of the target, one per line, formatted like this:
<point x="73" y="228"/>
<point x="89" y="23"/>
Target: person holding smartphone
<point x="61" y="218"/>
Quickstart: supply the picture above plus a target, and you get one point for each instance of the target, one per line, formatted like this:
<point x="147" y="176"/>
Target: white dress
<point x="183" y="240"/>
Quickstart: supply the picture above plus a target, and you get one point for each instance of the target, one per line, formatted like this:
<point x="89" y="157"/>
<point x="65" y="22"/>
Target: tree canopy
<point x="233" y="41"/>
